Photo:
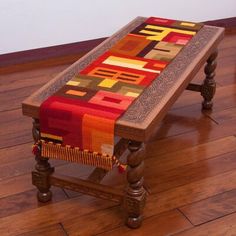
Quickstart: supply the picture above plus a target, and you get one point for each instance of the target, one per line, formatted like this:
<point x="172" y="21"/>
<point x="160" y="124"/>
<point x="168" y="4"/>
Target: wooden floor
<point x="190" y="167"/>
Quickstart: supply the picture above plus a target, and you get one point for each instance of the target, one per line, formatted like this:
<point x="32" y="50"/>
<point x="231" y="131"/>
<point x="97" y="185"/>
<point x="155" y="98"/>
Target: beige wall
<point x="31" y="24"/>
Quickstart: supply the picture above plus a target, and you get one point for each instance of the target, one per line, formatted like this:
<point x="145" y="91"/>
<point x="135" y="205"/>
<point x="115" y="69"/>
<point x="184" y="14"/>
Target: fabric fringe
<point x="75" y="154"/>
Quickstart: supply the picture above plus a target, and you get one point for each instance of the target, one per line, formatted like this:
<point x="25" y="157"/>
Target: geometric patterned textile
<point x="82" y="114"/>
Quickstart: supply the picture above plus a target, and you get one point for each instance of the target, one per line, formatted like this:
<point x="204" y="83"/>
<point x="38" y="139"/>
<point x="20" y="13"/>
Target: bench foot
<point x="44" y="197"/>
<point x="134" y="222"/>
<point x="41" y="179"/>
<point x="208" y="87"/>
<point x="135" y="197"/>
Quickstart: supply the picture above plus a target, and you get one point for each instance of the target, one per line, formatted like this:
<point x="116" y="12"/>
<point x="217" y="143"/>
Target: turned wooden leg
<point x="43" y="170"/>
<point x="209" y="85"/>
<point x="135" y="197"/>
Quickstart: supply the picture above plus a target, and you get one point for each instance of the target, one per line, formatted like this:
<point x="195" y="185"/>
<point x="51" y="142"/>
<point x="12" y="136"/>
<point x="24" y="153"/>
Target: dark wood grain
<point x="50" y="230"/>
<point x="221" y="226"/>
<point x="164" y="224"/>
<point x="217" y="206"/>
<point x="20" y="202"/>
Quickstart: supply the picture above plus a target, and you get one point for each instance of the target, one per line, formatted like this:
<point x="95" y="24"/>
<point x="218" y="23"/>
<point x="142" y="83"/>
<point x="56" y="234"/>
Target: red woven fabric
<point x="84" y="111"/>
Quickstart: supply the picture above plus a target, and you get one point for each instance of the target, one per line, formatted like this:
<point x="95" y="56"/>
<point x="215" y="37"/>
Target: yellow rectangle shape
<point x="128" y="63"/>
<point x="170" y="29"/>
<point x="125" y="60"/>
<point x="107" y="83"/>
<point x="51" y="136"/>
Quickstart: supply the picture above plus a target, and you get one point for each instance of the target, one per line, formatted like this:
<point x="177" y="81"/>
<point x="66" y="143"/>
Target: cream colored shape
<point x="132" y="94"/>
<point x="73" y="83"/>
<point x="107" y="149"/>
<point x="128" y="63"/>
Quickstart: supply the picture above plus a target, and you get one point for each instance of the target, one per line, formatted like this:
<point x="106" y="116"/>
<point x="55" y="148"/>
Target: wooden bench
<point x="136" y="126"/>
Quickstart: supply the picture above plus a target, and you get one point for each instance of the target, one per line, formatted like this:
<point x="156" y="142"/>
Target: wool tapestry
<point x="77" y="122"/>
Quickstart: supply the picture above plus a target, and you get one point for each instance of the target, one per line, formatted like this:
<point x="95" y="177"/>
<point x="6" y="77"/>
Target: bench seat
<point x="136" y="125"/>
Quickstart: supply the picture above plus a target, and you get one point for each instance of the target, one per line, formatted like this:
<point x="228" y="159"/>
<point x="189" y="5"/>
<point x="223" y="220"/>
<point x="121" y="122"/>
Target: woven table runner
<point x="77" y="122"/>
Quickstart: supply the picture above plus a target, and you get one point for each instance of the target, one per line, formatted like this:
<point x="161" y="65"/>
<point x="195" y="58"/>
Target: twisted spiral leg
<point x="209" y="85"/>
<point x="135" y="193"/>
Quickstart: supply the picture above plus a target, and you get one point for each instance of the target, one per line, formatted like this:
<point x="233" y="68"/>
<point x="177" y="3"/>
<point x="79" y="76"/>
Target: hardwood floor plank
<point x="17" y="168"/>
<point x="167" y="223"/>
<point x="217" y="206"/>
<point x="227" y="52"/>
<point x="16" y="129"/>
<point x="24" y="166"/>
<point x="21" y="83"/>
<point x="192" y="192"/>
<point x="225" y="226"/>
<point x="197" y="153"/>
<point x="228" y="42"/>
<point x="183" y="120"/>
<point x="15" y="153"/>
<point x="21" y="202"/>
<point x="16" y="87"/>
<point x="162" y="224"/>
<point x="190" y="139"/>
<point x="167" y="179"/>
<point x="50" y="214"/>
<point x="12" y="100"/>
<point x="97" y="222"/>
<point x="224" y="115"/>
<point x="228" y="79"/>
<point x="31" y="74"/>
<point x="51" y="230"/>
<point x="16" y="185"/>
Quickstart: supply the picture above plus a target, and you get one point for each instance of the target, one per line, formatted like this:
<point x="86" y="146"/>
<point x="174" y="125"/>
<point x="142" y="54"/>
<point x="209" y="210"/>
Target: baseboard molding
<point x="69" y="53"/>
<point x="48" y="56"/>
<point x="228" y="23"/>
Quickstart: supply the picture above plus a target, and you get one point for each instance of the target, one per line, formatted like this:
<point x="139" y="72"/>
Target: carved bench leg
<point x="43" y="170"/>
<point x="135" y="197"/>
<point x="209" y="85"/>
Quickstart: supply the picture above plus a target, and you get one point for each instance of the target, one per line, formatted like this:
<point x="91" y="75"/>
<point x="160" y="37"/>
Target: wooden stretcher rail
<point x="86" y="187"/>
